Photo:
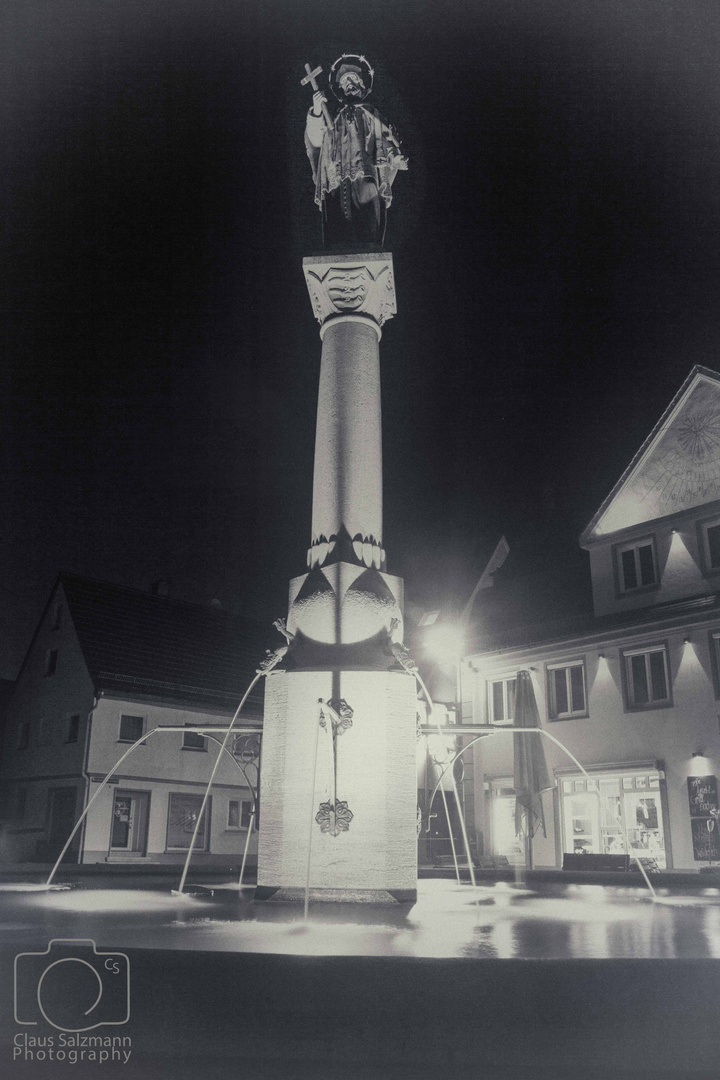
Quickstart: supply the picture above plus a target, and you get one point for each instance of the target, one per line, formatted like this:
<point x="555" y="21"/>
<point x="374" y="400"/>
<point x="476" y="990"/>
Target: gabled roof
<point x="154" y="646"/>
<point x="676" y="468"/>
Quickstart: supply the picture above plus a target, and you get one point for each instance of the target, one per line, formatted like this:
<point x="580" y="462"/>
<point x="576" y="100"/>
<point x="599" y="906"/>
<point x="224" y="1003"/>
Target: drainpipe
<point x="86" y="774"/>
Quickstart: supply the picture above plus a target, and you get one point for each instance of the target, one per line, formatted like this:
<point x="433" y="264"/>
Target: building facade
<point x="632" y="690"/>
<point x="106" y="666"/>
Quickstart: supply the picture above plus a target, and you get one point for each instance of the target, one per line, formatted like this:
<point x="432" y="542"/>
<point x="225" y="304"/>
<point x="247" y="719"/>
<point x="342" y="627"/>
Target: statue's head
<point x="351" y="78"/>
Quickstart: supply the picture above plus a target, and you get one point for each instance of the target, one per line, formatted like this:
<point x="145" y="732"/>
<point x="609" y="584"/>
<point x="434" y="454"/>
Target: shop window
<point x="567" y="695"/>
<point x="131" y="728"/>
<point x="636" y="565"/>
<point x="599" y="814"/>
<point x="193" y="741"/>
<point x="73" y="728"/>
<point x="183" y="813"/>
<point x="647" y="679"/>
<point x="51" y="657"/>
<point x="501" y="700"/>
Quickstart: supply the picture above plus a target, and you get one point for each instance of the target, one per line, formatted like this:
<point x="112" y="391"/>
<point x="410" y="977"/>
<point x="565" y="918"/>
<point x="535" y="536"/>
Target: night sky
<point x="557" y="253"/>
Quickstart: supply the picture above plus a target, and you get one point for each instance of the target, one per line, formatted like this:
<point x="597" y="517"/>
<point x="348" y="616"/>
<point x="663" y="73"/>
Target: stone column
<point x="352" y="296"/>
<point x="356" y="826"/>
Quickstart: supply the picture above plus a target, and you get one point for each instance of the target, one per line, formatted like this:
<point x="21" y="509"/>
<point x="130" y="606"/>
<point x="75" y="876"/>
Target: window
<point x="51" y="662"/>
<point x="710" y="543"/>
<point x="131" y="728"/>
<point x="44" y="731"/>
<point x="183" y="813"/>
<point x="636" y="565"/>
<point x="501" y="700"/>
<point x="19" y="802"/>
<point x="239" y="814"/>
<point x="57" y="618"/>
<point x="73" y="728"/>
<point x="23" y="736"/>
<point x="566" y="690"/>
<point x="193" y="741"/>
<point x="646" y="677"/>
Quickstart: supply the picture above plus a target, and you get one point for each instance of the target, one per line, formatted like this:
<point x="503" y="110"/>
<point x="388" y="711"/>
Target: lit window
<point x="646" y="676"/>
<point x="193" y="741"/>
<point x="73" y="729"/>
<point x="501" y="700"/>
<point x="636" y="565"/>
<point x="51" y="662"/>
<point x="566" y="690"/>
<point x="131" y="728"/>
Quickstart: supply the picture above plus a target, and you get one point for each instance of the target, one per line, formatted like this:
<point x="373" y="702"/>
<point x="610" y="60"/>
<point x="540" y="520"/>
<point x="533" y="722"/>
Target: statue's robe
<point x="354" y="166"/>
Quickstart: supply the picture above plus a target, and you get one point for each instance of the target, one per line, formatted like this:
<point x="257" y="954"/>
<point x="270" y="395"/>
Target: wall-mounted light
<point x="700" y="765"/>
<point x="687" y="640"/>
<point x="601" y="656"/>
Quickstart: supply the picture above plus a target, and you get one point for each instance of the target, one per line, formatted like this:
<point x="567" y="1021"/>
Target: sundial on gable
<point x="688" y="472"/>
<point x="680" y="466"/>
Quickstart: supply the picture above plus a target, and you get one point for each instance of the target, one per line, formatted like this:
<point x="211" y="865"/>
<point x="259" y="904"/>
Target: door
<point x="62" y="817"/>
<point x="439" y="846"/>
<point x="128" y="834"/>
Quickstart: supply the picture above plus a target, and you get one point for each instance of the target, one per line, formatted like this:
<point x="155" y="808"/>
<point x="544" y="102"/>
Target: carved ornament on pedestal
<point x="334" y="817"/>
<point x="351" y="285"/>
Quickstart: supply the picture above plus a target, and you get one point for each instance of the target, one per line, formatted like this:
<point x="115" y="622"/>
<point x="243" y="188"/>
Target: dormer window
<point x="636" y="565"/>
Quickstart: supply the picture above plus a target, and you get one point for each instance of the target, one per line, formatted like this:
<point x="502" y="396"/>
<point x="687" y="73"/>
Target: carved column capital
<point x="351" y="285"/>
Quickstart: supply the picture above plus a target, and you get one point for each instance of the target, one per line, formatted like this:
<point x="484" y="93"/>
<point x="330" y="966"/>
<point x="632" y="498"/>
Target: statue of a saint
<point x="355" y="157"/>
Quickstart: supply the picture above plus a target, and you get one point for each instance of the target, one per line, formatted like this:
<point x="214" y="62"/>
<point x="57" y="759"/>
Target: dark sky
<point x="557" y="253"/>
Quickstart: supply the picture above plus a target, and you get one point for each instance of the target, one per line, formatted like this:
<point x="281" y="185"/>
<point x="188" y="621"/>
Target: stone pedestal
<point x="376" y="857"/>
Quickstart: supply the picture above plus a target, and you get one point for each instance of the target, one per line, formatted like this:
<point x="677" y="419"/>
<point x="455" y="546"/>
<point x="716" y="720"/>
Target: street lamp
<point x="445" y="642"/>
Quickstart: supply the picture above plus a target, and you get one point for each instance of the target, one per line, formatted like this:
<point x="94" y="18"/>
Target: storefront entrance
<point x="505" y="844"/>
<point x="129" y="824"/>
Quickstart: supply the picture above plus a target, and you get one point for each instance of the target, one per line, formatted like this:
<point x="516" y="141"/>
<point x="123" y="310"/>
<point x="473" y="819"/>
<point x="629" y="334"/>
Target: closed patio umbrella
<point x="531" y="776"/>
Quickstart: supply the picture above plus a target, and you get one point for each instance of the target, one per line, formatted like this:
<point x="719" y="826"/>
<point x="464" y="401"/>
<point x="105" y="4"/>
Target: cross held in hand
<point x="311" y="77"/>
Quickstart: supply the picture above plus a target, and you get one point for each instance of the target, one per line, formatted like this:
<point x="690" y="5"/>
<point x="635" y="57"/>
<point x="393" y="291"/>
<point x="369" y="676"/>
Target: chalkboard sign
<point x="703" y="795"/>
<point x="706" y="842"/>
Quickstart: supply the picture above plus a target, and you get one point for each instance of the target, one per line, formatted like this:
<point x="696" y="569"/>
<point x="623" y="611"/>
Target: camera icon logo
<point x="72" y="985"/>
